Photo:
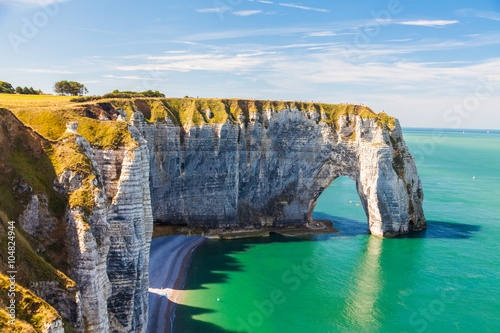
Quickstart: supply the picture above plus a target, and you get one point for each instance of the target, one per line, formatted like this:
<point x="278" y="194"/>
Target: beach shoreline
<point x="168" y="265"/>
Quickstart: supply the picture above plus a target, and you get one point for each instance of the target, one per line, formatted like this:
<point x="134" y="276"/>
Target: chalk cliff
<point x="110" y="255"/>
<point x="87" y="210"/>
<point x="86" y="202"/>
<point x="268" y="168"/>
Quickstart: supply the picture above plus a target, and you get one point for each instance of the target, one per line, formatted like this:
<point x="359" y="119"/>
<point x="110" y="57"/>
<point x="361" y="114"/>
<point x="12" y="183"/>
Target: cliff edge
<point x="235" y="164"/>
<point x="85" y="181"/>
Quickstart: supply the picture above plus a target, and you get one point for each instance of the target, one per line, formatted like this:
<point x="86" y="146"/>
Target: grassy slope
<point x="48" y="116"/>
<point x="32" y="312"/>
<point x="26" y="157"/>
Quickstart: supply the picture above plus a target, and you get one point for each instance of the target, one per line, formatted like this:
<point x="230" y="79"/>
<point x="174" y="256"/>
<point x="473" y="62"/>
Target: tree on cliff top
<point x="6" y="88"/>
<point x="70" y="88"/>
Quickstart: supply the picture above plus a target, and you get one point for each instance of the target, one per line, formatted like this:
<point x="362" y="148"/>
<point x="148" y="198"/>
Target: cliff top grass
<point x="187" y="111"/>
<point x="48" y="114"/>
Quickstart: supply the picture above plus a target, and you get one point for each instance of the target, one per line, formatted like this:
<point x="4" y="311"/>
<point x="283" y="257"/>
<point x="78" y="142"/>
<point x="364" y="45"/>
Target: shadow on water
<point x="435" y="229"/>
<point x="212" y="268"/>
<point x="183" y="311"/>
<point x="218" y="257"/>
<point x="438" y="229"/>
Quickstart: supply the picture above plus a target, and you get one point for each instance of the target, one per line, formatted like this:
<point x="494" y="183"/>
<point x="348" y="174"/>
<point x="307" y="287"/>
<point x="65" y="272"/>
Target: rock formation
<point x="211" y="164"/>
<point x="110" y="263"/>
<point x="102" y="238"/>
<point x="270" y="169"/>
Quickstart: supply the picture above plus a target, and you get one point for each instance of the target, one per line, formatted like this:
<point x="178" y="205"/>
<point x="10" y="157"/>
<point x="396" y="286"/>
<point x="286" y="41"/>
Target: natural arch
<point x="270" y="170"/>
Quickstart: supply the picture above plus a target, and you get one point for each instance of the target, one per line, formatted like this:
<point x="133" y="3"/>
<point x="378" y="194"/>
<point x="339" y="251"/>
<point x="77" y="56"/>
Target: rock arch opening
<point x="341" y="204"/>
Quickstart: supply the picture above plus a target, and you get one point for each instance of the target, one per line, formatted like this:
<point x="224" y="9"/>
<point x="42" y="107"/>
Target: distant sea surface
<point x="444" y="279"/>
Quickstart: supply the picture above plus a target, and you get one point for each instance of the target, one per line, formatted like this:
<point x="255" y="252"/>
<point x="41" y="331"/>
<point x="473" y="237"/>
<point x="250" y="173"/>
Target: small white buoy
<point x="474" y="177"/>
<point x="218" y="299"/>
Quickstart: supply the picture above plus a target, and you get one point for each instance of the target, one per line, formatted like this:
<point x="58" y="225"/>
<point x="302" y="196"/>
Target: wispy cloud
<point x="429" y="23"/>
<point x="490" y="15"/>
<point x="262" y="1"/>
<point x="329" y="33"/>
<point x="293" y="5"/>
<point x="228" y="34"/>
<point x="325" y="63"/>
<point x="247" y="12"/>
<point x="200" y="62"/>
<point x="400" y="40"/>
<point x="213" y="10"/>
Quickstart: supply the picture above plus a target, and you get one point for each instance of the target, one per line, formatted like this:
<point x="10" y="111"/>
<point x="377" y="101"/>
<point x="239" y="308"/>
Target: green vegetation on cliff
<point x="32" y="313"/>
<point x="27" y="165"/>
<point x="49" y="116"/>
<point x="186" y="111"/>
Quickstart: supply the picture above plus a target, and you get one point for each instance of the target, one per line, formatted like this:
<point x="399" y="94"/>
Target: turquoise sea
<point x="444" y="279"/>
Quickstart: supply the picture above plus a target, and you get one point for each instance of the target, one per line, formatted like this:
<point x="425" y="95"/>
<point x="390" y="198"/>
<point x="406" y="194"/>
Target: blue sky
<point x="429" y="63"/>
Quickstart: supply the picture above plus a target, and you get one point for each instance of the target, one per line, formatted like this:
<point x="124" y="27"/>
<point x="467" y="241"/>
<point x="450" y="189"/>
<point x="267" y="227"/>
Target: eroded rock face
<point x="272" y="169"/>
<point x="109" y="249"/>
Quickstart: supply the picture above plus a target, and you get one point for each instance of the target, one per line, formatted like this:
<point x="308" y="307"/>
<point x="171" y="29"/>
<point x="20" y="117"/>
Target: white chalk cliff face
<point x="109" y="251"/>
<point x="266" y="169"/>
<point x="271" y="169"/>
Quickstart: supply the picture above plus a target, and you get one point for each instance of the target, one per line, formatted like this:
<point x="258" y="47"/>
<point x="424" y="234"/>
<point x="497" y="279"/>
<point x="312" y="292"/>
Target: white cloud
<point x="400" y="40"/>
<point x="328" y="33"/>
<point x="293" y="5"/>
<point x="487" y="14"/>
<point x="429" y="23"/>
<point x="247" y="12"/>
<point x="200" y="62"/>
<point x="321" y="34"/>
<point x="262" y="1"/>
<point x="227" y="34"/>
<point x="213" y="10"/>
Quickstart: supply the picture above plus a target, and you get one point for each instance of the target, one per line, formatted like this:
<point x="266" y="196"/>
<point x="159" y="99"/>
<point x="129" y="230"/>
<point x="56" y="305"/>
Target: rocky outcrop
<point x="111" y="244"/>
<point x="269" y="168"/>
<point x="107" y="236"/>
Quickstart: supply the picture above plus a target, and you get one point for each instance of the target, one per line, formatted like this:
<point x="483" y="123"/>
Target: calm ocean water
<point x="445" y="279"/>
